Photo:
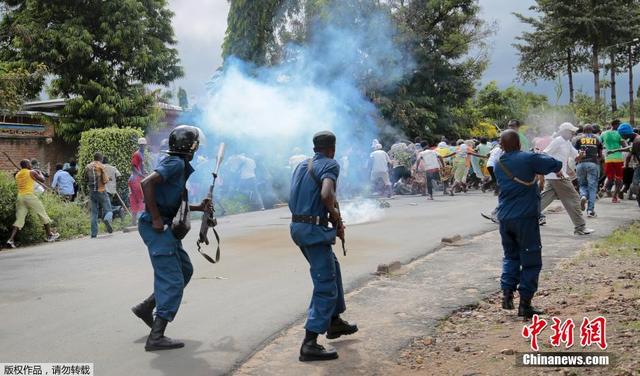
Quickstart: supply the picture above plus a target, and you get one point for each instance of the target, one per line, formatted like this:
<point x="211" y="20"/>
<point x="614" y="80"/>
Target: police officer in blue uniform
<point x="518" y="212"/>
<point x="164" y="193"/>
<point x="313" y="207"/>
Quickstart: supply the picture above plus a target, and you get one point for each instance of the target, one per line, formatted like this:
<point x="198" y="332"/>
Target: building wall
<point x="41" y="145"/>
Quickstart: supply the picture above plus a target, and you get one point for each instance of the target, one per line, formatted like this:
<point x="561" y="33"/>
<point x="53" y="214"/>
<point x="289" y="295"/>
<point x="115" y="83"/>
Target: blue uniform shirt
<point x="304" y="199"/>
<point x="518" y="200"/>
<point x="169" y="192"/>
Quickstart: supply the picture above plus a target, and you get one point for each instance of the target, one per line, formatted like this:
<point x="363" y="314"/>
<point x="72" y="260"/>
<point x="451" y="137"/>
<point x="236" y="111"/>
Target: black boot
<point x="339" y="327"/>
<point x="311" y="351"/>
<point x="526" y="310"/>
<point x="507" y="299"/>
<point x="144" y="310"/>
<point x="157" y="340"/>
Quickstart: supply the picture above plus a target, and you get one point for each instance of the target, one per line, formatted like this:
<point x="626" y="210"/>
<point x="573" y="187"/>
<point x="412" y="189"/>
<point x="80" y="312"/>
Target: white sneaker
<point x="584" y="231"/>
<point x="53" y="237"/>
<point x="11" y="244"/>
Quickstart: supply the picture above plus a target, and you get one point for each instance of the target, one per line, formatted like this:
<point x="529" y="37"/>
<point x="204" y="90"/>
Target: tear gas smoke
<point x="358" y="212"/>
<point x="267" y="112"/>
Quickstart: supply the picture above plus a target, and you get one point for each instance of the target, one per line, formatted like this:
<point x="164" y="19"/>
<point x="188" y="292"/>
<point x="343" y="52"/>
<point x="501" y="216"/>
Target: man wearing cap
<point x="557" y="185"/>
<point x="313" y="207"/>
<point x="162" y="228"/>
<point x="136" y="201"/>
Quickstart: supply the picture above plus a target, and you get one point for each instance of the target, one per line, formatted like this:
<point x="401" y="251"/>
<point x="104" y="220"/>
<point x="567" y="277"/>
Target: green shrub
<point x="70" y="219"/>
<point x="117" y="144"/>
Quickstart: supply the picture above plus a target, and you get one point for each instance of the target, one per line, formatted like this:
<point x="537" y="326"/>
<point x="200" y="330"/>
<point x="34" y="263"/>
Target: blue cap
<point x="625" y="129"/>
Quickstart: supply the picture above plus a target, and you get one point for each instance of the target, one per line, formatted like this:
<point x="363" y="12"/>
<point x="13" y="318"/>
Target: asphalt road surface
<point x="70" y="301"/>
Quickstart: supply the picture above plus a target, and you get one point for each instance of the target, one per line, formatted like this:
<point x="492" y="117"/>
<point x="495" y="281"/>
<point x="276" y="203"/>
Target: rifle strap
<point x="515" y="178"/>
<point x="206" y="256"/>
<point x="313" y="174"/>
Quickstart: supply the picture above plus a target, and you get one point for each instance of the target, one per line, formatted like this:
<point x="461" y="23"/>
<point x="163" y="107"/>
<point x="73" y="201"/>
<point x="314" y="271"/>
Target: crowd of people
<point x="597" y="162"/>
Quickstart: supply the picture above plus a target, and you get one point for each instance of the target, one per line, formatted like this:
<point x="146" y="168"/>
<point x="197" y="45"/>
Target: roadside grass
<point x="623" y="242"/>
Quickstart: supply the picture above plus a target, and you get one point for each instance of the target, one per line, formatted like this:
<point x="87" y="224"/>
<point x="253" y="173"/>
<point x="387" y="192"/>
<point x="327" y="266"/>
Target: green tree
<point x="440" y="35"/>
<point x="250" y="26"/>
<point x="100" y="55"/>
<point x="593" y="24"/>
<point x="15" y="86"/>
<point x="545" y="53"/>
<point x="183" y="100"/>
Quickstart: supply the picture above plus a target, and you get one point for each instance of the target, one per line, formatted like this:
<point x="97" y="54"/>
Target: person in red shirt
<point x="136" y="199"/>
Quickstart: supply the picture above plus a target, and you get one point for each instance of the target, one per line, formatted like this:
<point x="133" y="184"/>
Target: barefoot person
<point x="313" y="206"/>
<point x="26" y="179"/>
<point x="518" y="210"/>
<point x="164" y="193"/>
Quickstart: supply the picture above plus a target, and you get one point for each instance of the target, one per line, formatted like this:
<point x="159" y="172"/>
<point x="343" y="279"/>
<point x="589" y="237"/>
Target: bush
<point x="117" y="144"/>
<point x="69" y="218"/>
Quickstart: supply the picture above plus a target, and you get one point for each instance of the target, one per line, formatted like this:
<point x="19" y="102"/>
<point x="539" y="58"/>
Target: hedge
<point x="117" y="144"/>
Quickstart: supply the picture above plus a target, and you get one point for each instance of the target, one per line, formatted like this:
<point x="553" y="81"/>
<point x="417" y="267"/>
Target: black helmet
<point x="184" y="140"/>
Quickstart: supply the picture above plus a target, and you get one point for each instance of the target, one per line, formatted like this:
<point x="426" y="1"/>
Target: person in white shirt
<point x="113" y="174"/>
<point x="296" y="159"/>
<point x="558" y="185"/>
<point x="248" y="179"/>
<point x="494" y="156"/>
<point x="431" y="163"/>
<point x="380" y="162"/>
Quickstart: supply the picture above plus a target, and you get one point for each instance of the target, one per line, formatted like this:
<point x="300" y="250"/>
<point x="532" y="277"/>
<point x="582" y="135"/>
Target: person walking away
<point x="96" y="180"/>
<point x="313" y="206"/>
<point x="72" y="168"/>
<point x="613" y="162"/>
<point x="136" y="201"/>
<point x="484" y="149"/>
<point x="248" y="180"/>
<point x="518" y="211"/>
<point x="380" y="162"/>
<point x="27" y="201"/>
<point x="63" y="183"/>
<point x="113" y="174"/>
<point x="431" y="162"/>
<point x="627" y="132"/>
<point x="162" y="227"/>
<point x="588" y="170"/>
<point x="558" y="186"/>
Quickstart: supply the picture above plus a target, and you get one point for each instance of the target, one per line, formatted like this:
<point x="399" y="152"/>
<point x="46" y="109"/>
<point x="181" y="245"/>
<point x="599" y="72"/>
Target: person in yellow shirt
<point x="26" y="179"/>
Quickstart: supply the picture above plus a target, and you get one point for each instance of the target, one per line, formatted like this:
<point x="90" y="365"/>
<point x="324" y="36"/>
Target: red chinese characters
<point x="594" y="331"/>
<point x="562" y="332"/>
<point x="532" y="331"/>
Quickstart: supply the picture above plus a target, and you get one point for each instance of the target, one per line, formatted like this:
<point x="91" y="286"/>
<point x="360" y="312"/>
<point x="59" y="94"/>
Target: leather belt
<point x="310" y="219"/>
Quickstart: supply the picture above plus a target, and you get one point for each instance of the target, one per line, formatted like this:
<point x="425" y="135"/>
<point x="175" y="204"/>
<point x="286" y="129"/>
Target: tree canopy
<point x="100" y="55"/>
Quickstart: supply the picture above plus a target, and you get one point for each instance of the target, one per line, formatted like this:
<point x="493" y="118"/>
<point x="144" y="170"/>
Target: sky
<point x="200" y="26"/>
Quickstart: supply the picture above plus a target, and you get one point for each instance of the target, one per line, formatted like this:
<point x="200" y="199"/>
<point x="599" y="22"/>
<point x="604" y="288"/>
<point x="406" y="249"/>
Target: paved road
<point x="69" y="301"/>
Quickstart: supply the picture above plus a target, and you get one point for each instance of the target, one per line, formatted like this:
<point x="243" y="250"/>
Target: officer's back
<point x="304" y="199"/>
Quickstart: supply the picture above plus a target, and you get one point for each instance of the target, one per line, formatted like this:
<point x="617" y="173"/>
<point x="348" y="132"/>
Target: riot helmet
<point x="184" y="140"/>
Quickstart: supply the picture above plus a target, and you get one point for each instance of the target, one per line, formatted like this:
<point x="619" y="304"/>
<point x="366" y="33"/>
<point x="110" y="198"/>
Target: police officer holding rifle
<point x="162" y="226"/>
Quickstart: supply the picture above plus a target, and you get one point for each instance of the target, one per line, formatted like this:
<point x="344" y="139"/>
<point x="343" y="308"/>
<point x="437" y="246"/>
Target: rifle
<point x="208" y="218"/>
<point x="43" y="185"/>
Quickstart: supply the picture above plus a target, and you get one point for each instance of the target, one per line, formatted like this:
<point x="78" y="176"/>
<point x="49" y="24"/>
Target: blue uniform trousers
<point x="328" y="296"/>
<point x="522" y="260"/>
<point x="172" y="269"/>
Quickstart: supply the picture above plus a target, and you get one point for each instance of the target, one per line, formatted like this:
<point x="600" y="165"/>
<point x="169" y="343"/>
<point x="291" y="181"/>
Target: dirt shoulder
<point x="602" y="280"/>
